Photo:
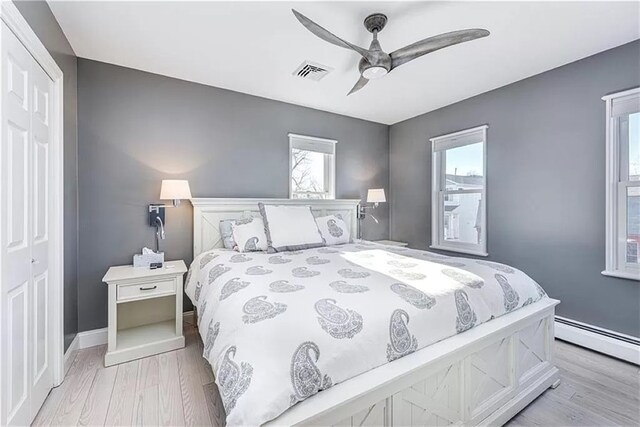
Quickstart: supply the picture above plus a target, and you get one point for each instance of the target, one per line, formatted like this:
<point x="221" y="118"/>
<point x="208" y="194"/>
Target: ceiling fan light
<point x="374" y="73"/>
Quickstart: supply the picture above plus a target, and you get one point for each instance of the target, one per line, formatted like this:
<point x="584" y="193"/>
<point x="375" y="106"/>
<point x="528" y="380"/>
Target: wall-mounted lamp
<point x="374" y="196"/>
<point x="171" y="189"/>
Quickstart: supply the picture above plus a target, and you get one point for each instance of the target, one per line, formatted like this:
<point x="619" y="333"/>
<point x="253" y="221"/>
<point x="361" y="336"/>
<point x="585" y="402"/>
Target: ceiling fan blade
<point x="359" y="85"/>
<point x="328" y="36"/>
<point x="428" y="45"/>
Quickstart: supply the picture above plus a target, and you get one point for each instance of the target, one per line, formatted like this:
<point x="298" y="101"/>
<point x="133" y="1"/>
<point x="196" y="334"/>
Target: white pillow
<point x="290" y="228"/>
<point x="333" y="229"/>
<point x="249" y="235"/>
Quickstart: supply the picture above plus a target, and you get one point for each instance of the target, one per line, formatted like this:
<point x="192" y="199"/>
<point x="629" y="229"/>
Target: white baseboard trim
<point x="602" y="340"/>
<point x="92" y="338"/>
<point x="96" y="337"/>
<point x="69" y="355"/>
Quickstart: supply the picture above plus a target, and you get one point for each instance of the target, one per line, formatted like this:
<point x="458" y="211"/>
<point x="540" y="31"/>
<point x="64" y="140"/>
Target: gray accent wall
<point x="43" y="23"/>
<point x="546" y="181"/>
<point x="137" y="128"/>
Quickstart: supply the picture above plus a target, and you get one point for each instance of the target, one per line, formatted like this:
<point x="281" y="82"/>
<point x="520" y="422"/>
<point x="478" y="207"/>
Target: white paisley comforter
<point x="278" y="328"/>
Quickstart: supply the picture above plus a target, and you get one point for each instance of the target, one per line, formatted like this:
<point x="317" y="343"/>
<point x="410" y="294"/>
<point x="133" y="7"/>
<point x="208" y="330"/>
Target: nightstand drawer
<point x="146" y="290"/>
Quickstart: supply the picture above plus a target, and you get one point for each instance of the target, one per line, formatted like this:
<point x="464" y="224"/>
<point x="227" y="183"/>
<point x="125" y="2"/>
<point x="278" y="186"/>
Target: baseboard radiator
<point x="612" y="343"/>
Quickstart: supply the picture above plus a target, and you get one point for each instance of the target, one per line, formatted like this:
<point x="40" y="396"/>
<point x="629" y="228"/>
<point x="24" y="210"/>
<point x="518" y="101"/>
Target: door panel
<point x="40" y="190"/>
<point x="17" y="145"/>
<point x="25" y="163"/>
<point x="15" y="159"/>
<point x="17" y="351"/>
<point x="41" y="326"/>
<point x="41" y="339"/>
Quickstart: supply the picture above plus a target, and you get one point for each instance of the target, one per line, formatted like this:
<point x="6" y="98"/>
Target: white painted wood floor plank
<point x="96" y="406"/>
<point x="177" y="389"/>
<point x="145" y="411"/>
<point x="120" y="412"/>
<point x="170" y="393"/>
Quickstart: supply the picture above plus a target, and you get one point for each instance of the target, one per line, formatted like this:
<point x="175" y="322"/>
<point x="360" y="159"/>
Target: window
<point x="458" y="209"/>
<point x="311" y="167"/>
<point x="623" y="184"/>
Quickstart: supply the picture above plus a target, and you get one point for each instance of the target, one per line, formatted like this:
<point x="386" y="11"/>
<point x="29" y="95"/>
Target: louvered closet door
<point x="24" y="220"/>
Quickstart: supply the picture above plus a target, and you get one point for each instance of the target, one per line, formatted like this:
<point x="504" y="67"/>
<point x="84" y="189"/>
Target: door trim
<point x="10" y="15"/>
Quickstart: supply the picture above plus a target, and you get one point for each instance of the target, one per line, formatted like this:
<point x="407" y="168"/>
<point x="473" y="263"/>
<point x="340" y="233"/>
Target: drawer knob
<point x="150" y="288"/>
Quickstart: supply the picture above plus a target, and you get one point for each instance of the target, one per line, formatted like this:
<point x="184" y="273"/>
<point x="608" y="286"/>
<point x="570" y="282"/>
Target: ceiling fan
<point x="376" y="63"/>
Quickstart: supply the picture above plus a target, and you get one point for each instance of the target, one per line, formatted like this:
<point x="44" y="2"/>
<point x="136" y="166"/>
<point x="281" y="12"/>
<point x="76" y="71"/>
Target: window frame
<point x="329" y="165"/>
<point x="616" y="187"/>
<point x="439" y="146"/>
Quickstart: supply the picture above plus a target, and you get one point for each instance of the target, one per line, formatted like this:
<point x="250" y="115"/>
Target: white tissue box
<point x="144" y="260"/>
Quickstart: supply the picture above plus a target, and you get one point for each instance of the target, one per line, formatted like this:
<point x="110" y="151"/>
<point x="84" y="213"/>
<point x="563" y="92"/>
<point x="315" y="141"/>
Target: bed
<point x="363" y="333"/>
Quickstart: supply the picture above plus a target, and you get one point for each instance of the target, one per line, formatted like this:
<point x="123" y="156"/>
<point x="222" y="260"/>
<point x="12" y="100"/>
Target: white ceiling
<point x="253" y="47"/>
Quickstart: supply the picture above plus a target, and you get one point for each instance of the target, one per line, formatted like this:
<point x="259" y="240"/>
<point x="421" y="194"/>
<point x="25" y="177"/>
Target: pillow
<point x="227" y="233"/>
<point x="333" y="230"/>
<point x="290" y="228"/>
<point x="249" y="235"/>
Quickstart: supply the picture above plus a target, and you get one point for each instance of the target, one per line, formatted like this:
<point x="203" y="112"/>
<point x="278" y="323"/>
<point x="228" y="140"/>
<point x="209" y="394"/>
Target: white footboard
<point x="483" y="376"/>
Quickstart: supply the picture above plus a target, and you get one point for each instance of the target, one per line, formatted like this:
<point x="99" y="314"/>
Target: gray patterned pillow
<point x="249" y="235"/>
<point x="333" y="229"/>
<point x="227" y="233"/>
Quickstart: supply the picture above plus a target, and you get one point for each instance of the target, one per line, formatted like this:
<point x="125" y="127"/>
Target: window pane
<point x="464" y="167"/>
<point x="462" y="218"/>
<point x="634" y="147"/>
<point x="633" y="225"/>
<point x="307" y="173"/>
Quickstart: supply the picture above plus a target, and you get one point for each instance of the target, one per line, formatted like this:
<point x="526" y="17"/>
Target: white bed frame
<point x="483" y="376"/>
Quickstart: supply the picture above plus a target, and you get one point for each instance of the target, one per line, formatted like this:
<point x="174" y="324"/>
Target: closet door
<point x="24" y="247"/>
<point x="40" y="313"/>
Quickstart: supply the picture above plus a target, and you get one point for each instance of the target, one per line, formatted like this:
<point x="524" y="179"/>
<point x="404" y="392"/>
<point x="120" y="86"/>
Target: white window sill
<point x="459" y="250"/>
<point x="622" y="275"/>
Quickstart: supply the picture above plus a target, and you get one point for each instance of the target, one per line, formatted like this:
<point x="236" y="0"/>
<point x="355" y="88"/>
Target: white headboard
<point x="207" y="214"/>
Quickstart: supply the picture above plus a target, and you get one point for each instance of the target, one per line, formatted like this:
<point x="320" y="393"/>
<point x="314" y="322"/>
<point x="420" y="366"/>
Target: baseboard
<point x="69" y="355"/>
<point x="602" y="340"/>
<point x="96" y="337"/>
<point x="92" y="338"/>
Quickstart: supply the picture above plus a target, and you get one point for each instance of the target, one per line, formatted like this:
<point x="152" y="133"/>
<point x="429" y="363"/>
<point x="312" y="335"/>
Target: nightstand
<point x="392" y="243"/>
<point x="145" y="311"/>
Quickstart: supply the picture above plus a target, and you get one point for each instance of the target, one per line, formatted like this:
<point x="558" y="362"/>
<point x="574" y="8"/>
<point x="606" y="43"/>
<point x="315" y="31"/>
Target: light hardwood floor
<point x="177" y="388"/>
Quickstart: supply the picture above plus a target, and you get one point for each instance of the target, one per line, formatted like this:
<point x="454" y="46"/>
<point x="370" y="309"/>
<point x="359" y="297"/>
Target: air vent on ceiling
<point x="312" y="71"/>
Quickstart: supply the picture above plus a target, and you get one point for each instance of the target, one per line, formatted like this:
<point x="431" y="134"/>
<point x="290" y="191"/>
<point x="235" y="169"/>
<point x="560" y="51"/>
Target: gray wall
<point x="137" y="128"/>
<point x="546" y="185"/>
<point x="44" y="24"/>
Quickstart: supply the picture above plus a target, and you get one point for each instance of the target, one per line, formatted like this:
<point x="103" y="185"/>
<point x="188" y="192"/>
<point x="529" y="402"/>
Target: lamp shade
<point x="175" y="189"/>
<point x="376" y="195"/>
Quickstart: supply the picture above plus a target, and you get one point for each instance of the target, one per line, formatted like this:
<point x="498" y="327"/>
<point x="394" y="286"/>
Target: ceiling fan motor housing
<point x="375" y="22"/>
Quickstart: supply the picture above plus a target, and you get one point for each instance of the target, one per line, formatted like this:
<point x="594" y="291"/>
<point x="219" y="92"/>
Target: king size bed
<point x="362" y="333"/>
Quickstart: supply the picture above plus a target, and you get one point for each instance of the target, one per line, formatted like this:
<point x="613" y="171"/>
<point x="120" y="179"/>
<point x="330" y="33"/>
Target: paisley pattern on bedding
<point x="336" y="321"/>
<point x="466" y="316"/>
<point x="278" y="259"/>
<point x="258" y="309"/>
<point x="276" y="324"/>
<point x="306" y="378"/>
<point x="212" y="334"/>
<point x="346" y="288"/>
<point x="232" y="286"/>
<point x="413" y="296"/>
<point x="511" y="297"/>
<point x="240" y="258"/>
<point x="232" y="380"/>
<point x="284" y="286"/>
<point x="401" y="341"/>
<point x="463" y="278"/>
<point x="348" y="273"/>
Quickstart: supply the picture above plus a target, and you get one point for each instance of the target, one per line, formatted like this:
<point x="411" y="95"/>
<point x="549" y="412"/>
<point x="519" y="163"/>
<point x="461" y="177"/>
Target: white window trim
<point x="444" y="142"/>
<point x="330" y="167"/>
<point x="615" y="252"/>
